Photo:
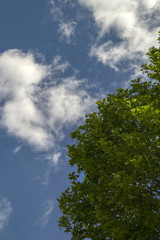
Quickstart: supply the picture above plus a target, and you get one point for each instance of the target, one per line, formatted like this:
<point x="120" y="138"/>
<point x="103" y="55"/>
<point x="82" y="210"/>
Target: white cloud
<point x="150" y="3"/>
<point x="67" y="30"/>
<point x="135" y="24"/>
<point x="19" y="79"/>
<point x="68" y="104"/>
<point x="48" y="209"/>
<point x="5" y="212"/>
<point x="55" y="158"/>
<point x="34" y="106"/>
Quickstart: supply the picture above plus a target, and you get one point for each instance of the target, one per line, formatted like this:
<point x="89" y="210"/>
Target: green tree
<point x="118" y="150"/>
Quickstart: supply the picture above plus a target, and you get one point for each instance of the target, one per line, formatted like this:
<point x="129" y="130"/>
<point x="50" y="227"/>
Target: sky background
<point x="57" y="58"/>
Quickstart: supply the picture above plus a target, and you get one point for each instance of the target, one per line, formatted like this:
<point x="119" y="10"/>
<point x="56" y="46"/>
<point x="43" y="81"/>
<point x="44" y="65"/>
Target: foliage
<point x="118" y="150"/>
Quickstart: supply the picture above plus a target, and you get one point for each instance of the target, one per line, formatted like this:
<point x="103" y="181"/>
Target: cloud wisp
<point x="59" y="65"/>
<point x="67" y="31"/>
<point x="48" y="209"/>
<point x="135" y="25"/>
<point x="17" y="149"/>
<point x="35" y="106"/>
<point x="53" y="160"/>
<point x="66" y="27"/>
<point x="5" y="212"/>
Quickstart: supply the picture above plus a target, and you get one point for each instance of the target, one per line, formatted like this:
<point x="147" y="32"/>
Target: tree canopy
<point x="118" y="150"/>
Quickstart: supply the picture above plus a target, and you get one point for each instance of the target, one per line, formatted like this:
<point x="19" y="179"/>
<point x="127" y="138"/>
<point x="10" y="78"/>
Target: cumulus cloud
<point x="19" y="77"/>
<point x="5" y="212"/>
<point x="34" y="105"/>
<point x="134" y="23"/>
<point x="67" y="31"/>
<point x="48" y="209"/>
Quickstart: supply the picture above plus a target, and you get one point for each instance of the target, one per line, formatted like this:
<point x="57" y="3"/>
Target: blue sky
<point x="57" y="58"/>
